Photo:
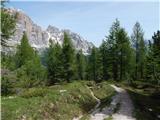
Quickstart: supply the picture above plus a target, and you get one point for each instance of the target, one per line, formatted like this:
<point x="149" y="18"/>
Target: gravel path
<point x="123" y="113"/>
<point x="126" y="106"/>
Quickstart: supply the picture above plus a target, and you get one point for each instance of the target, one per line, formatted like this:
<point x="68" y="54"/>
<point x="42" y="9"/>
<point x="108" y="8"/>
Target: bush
<point x="31" y="75"/>
<point x="34" y="92"/>
<point x="7" y="81"/>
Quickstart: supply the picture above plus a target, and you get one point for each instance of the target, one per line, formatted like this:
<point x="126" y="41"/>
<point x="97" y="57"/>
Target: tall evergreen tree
<point x="124" y="54"/>
<point x="153" y="61"/>
<point x="112" y="50"/>
<point x="156" y="55"/>
<point x="68" y="58"/>
<point x="54" y="64"/>
<point x="138" y="42"/>
<point x="142" y="59"/>
<point x="80" y="61"/>
<point x="104" y="61"/>
<point x="8" y="24"/>
<point x="30" y="72"/>
<point x="94" y="65"/>
<point x="24" y="52"/>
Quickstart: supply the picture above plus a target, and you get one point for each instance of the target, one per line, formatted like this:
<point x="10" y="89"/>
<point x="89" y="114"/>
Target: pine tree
<point x="24" y="51"/>
<point x="68" y="58"/>
<point x="80" y="61"/>
<point x="54" y="64"/>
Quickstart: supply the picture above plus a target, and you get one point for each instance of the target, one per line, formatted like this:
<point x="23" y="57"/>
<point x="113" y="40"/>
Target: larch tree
<point x="138" y="43"/>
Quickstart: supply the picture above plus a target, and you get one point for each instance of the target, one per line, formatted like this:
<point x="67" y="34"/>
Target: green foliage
<point x="138" y="42"/>
<point x="80" y="62"/>
<point x="30" y="72"/>
<point x="104" y="60"/>
<point x="49" y="102"/>
<point x="112" y="50"/>
<point x="8" y="24"/>
<point x="68" y="58"/>
<point x="34" y="92"/>
<point x="7" y="81"/>
<point x="153" y="61"/>
<point x="24" y="52"/>
<point x="93" y="69"/>
<point x="8" y="61"/>
<point x="124" y="51"/>
<point x="145" y="98"/>
<point x="116" y="54"/>
<point x="109" y="118"/>
<point x="54" y="63"/>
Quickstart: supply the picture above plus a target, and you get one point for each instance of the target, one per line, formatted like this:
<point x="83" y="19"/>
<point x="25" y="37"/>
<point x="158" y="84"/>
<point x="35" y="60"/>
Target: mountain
<point x="39" y="38"/>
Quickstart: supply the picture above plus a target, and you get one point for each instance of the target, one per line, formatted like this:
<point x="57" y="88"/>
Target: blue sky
<point x="92" y="20"/>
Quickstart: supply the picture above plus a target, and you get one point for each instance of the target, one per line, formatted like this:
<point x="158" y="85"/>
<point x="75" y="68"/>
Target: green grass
<point x="109" y="118"/>
<point x="146" y="99"/>
<point x="49" y="102"/>
<point x="104" y="92"/>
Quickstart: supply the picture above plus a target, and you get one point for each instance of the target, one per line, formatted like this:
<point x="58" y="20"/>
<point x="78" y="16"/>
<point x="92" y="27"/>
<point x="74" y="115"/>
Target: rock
<point x="62" y="91"/>
<point x="11" y="97"/>
<point x="150" y="109"/>
<point x="39" y="38"/>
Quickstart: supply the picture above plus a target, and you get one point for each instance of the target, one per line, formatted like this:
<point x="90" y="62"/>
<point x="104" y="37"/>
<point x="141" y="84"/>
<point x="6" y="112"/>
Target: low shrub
<point x="34" y="92"/>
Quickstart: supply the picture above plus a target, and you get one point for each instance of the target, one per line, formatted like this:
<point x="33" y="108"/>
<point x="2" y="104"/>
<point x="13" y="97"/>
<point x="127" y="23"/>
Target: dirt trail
<point x="126" y="106"/>
<point x="124" y="111"/>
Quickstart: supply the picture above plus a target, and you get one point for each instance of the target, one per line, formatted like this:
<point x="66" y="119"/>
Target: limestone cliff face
<point x="39" y="38"/>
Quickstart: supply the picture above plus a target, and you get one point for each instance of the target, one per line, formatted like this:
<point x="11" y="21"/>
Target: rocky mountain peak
<point x="39" y="39"/>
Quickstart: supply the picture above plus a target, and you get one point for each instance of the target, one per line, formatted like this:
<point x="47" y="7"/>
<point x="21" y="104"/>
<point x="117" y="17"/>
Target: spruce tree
<point x="104" y="60"/>
<point x="80" y="61"/>
<point x="142" y="59"/>
<point x="24" y="51"/>
<point x="54" y="64"/>
<point x="111" y="43"/>
<point x="8" y="24"/>
<point x="68" y="58"/>
<point x="30" y="72"/>
<point x="156" y="55"/>
<point x="153" y="61"/>
<point x="94" y="71"/>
